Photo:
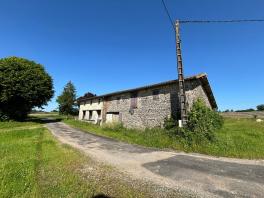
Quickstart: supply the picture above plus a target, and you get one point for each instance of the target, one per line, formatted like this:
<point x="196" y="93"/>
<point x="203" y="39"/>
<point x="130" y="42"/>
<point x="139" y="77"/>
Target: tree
<point x="67" y="100"/>
<point x="260" y="107"/>
<point x="24" y="85"/>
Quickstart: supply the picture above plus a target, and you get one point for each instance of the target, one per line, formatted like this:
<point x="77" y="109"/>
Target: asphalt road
<point x="193" y="174"/>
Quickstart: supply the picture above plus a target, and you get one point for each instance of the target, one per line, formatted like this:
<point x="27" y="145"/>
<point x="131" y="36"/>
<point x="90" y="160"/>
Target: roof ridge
<point x="200" y="75"/>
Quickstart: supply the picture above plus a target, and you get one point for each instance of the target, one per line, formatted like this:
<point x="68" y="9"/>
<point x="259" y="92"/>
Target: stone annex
<point x="146" y="106"/>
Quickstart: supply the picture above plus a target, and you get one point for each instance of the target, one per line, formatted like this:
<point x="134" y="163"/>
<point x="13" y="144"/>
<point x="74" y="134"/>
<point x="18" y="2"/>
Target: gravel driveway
<point x="195" y="174"/>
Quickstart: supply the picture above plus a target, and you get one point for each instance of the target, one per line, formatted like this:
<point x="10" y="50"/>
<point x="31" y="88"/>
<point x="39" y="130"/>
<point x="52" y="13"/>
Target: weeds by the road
<point x="240" y="138"/>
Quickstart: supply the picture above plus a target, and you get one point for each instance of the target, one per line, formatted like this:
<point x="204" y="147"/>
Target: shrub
<point x="170" y="123"/>
<point x="201" y="126"/>
<point x="202" y="121"/>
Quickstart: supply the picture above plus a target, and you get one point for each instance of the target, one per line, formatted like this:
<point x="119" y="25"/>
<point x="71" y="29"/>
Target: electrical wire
<point x="168" y="14"/>
<point x="222" y="21"/>
<point x="207" y="21"/>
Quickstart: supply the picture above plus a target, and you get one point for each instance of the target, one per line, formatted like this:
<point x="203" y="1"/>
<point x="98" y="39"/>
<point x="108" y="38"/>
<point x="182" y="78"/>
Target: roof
<point x="202" y="77"/>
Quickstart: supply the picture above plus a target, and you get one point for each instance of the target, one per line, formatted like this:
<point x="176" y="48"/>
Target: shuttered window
<point x="133" y="101"/>
<point x="155" y="94"/>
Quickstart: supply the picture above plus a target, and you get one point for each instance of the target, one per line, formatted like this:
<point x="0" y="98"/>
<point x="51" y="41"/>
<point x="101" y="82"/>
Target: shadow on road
<point x="181" y="166"/>
<point x="44" y="120"/>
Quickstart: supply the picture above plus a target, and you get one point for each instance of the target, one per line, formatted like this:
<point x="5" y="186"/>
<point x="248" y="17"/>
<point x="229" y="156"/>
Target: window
<point x="133" y="101"/>
<point x="99" y="100"/>
<point x="91" y="101"/>
<point x="90" y="115"/>
<point x="155" y="94"/>
<point x="99" y="114"/>
<point x="84" y="113"/>
<point x="118" y="100"/>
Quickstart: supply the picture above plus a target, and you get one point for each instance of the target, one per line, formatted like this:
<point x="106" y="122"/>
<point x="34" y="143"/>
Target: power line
<point x="222" y="21"/>
<point x="168" y="13"/>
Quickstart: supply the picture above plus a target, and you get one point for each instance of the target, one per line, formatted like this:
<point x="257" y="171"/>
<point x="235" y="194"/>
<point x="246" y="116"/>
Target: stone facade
<point x="145" y="107"/>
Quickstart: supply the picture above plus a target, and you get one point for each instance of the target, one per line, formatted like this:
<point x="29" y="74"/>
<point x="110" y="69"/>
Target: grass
<point x="34" y="164"/>
<point x="14" y="124"/>
<point x="239" y="138"/>
<point x="242" y="138"/>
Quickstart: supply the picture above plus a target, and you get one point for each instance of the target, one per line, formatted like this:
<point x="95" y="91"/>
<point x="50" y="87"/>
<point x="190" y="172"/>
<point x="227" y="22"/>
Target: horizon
<point x="104" y="46"/>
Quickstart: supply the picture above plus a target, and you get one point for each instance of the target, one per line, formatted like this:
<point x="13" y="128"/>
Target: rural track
<point x="193" y="174"/>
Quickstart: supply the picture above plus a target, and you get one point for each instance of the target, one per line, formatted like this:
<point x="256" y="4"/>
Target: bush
<point x="203" y="122"/>
<point x="170" y="123"/>
<point x="201" y="126"/>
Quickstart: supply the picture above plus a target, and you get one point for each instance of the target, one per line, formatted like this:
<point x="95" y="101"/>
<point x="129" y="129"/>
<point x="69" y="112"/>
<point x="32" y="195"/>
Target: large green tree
<point x="24" y="85"/>
<point x="260" y="107"/>
<point x="67" y="100"/>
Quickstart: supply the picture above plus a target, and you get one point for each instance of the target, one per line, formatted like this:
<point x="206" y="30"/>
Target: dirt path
<point x="194" y="174"/>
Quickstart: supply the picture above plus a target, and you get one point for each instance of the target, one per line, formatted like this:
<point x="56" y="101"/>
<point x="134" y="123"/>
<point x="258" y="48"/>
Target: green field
<point x="239" y="138"/>
<point x="34" y="164"/>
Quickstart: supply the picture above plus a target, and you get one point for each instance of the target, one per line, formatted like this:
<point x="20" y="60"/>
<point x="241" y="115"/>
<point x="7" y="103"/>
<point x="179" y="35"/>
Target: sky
<point x="109" y="45"/>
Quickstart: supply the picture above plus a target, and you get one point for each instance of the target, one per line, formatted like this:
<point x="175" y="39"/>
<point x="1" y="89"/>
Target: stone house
<point x="145" y="106"/>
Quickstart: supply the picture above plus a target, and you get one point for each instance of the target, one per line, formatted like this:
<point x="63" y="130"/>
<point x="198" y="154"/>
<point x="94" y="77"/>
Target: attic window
<point x="155" y="94"/>
<point x="133" y="101"/>
<point x="118" y="100"/>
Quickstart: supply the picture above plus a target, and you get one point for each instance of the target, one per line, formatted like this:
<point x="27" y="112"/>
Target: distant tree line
<point x="258" y="108"/>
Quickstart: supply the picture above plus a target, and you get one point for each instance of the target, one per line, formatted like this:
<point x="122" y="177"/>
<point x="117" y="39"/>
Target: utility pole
<point x="182" y="97"/>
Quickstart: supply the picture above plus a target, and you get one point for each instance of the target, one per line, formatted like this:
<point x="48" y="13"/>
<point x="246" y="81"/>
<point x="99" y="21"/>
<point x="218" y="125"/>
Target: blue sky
<point x="109" y="45"/>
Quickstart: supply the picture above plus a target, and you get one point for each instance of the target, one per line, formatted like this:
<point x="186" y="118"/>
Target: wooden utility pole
<point x="182" y="97"/>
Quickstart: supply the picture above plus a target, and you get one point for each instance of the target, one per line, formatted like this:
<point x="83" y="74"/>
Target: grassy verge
<point x="240" y="138"/>
<point x="34" y="164"/>
<point x="13" y="124"/>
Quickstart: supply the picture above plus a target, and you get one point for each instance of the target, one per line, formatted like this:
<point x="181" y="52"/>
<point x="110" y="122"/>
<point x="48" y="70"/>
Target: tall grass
<point x="34" y="164"/>
<point x="241" y="138"/>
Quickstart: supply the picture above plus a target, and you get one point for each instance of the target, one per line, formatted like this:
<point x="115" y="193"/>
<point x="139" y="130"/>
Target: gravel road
<point x="192" y="174"/>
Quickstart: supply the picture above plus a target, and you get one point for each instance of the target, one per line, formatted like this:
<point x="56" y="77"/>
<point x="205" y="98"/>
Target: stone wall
<point x="194" y="90"/>
<point x="151" y="111"/>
